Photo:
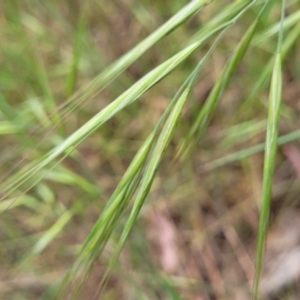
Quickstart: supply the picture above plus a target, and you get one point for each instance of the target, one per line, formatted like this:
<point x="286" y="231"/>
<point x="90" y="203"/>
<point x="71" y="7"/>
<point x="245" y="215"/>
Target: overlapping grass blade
<point x="157" y="155"/>
<point x="115" y="69"/>
<point x="102" y="230"/>
<point x="227" y="14"/>
<point x="289" y="21"/>
<point x="289" y="42"/>
<point x="129" y="96"/>
<point x="149" y="173"/>
<point x="134" y="167"/>
<point x="139" y="177"/>
<point x="120" y="65"/>
<point x="100" y="233"/>
<point x="215" y="95"/>
<point x="118" y="198"/>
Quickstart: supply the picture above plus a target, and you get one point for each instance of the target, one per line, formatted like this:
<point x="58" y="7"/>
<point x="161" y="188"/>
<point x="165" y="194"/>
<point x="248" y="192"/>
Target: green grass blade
<point x="269" y="164"/>
<point x="270" y="158"/>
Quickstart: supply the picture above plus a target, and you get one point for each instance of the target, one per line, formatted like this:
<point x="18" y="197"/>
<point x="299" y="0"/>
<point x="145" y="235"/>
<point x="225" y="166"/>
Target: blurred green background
<point x="196" y="232"/>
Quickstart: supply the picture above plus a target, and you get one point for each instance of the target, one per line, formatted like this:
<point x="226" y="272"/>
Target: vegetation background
<point x="132" y="146"/>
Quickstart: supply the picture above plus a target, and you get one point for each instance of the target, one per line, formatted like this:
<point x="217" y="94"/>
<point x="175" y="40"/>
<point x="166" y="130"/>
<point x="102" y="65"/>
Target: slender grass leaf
<point x="52" y="233"/>
<point x="270" y="158"/>
<point x="269" y="165"/>
<point x="282" y="140"/>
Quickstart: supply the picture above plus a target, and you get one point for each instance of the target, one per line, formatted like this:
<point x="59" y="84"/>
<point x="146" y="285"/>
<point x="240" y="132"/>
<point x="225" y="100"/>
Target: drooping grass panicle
<point x="101" y="231"/>
<point x="87" y="170"/>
